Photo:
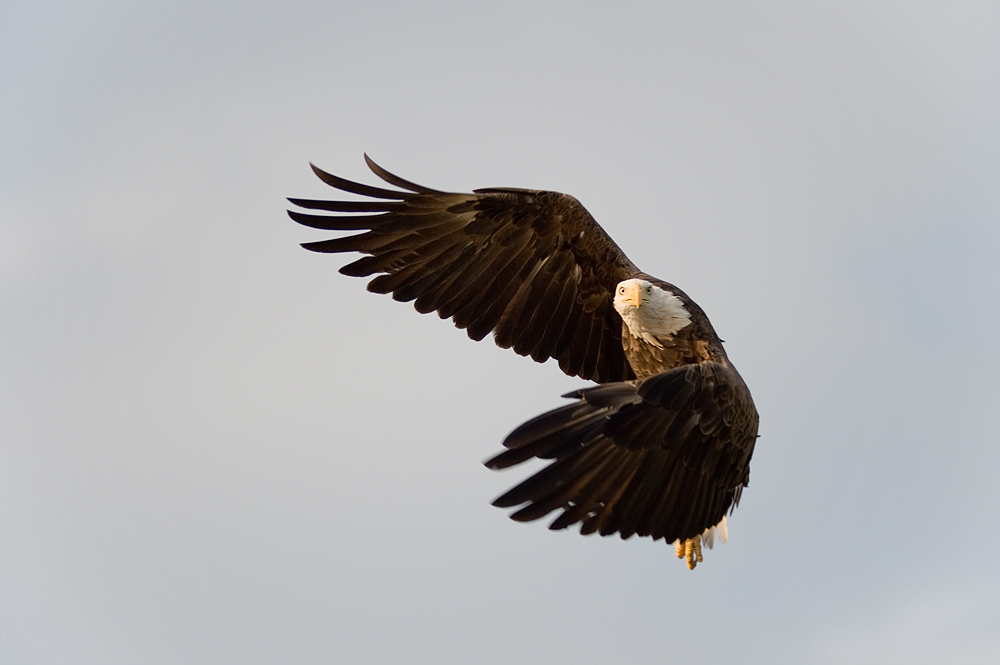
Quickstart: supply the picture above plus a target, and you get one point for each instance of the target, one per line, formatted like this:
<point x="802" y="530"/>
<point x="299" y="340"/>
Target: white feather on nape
<point x="661" y="315"/>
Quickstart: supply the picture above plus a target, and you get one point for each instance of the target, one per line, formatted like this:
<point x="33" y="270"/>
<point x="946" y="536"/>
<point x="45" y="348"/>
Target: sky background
<point x="216" y="449"/>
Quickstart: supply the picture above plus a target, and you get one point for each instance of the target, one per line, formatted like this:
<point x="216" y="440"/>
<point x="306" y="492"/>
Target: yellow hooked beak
<point x="633" y="294"/>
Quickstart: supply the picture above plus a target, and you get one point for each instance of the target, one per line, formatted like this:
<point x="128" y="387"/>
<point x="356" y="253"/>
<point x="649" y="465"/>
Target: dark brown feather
<point x="644" y="466"/>
<point x="498" y="260"/>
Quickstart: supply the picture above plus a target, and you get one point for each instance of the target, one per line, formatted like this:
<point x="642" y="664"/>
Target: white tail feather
<point x="708" y="535"/>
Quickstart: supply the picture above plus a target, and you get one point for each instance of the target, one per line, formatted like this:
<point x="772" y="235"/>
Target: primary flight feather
<point x="662" y="447"/>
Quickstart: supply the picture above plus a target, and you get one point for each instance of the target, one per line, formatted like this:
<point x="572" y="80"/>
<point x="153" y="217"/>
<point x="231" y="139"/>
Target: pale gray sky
<point x="216" y="449"/>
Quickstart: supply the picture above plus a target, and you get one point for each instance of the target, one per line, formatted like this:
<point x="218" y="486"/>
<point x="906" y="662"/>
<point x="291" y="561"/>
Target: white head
<point x="651" y="313"/>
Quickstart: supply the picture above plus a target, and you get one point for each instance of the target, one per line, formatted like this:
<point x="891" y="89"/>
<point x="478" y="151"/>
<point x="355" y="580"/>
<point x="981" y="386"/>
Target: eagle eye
<point x="649" y="289"/>
<point x="621" y="289"/>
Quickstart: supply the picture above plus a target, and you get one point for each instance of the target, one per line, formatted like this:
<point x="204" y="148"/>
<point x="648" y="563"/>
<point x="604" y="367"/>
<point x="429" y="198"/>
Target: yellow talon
<point x="690" y="549"/>
<point x="696" y="550"/>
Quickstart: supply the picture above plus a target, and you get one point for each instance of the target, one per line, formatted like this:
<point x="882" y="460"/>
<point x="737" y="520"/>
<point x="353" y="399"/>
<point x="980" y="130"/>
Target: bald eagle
<point x="661" y="448"/>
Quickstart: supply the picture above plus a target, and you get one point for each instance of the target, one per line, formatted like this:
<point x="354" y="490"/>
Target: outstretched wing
<point x="532" y="267"/>
<point x="664" y="457"/>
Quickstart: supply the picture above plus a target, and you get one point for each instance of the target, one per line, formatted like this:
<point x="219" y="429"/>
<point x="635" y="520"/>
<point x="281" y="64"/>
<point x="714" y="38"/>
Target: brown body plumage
<point x="662" y="448"/>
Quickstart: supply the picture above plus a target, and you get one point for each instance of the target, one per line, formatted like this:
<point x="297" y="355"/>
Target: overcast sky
<point x="216" y="449"/>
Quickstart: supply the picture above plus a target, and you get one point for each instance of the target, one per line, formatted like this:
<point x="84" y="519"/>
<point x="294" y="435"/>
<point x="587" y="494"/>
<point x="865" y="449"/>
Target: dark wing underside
<point x="532" y="267"/>
<point x="665" y="457"/>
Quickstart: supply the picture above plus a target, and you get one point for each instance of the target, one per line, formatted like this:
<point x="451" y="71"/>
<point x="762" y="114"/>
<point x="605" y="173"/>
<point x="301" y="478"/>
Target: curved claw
<point x="689" y="549"/>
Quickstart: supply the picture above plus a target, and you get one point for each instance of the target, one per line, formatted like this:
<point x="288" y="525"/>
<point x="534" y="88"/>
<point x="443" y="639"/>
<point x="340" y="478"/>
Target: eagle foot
<point x="690" y="549"/>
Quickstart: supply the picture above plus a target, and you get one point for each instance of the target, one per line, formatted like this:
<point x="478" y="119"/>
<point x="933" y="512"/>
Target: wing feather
<point x="345" y="223"/>
<point x="633" y="459"/>
<point x="434" y="272"/>
<point x="557" y="311"/>
<point x="490" y="263"/>
<point x="576" y="351"/>
<point x="397" y="181"/>
<point x="346" y="185"/>
<point x="482" y="319"/>
<point x="434" y="297"/>
<point x="416" y="264"/>
<point x="350" y="206"/>
<point x="522" y="264"/>
<point x="543" y="325"/>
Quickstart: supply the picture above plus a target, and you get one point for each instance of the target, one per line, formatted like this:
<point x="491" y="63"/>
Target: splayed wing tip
<point x="394" y="179"/>
<point x="345" y="185"/>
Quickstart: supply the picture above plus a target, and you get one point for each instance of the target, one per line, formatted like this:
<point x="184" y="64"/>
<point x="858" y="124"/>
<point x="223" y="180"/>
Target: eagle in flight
<point x="662" y="446"/>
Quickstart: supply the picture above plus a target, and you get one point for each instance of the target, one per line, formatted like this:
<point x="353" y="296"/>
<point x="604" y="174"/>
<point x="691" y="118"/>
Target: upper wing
<point x="665" y="457"/>
<point x="532" y="267"/>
